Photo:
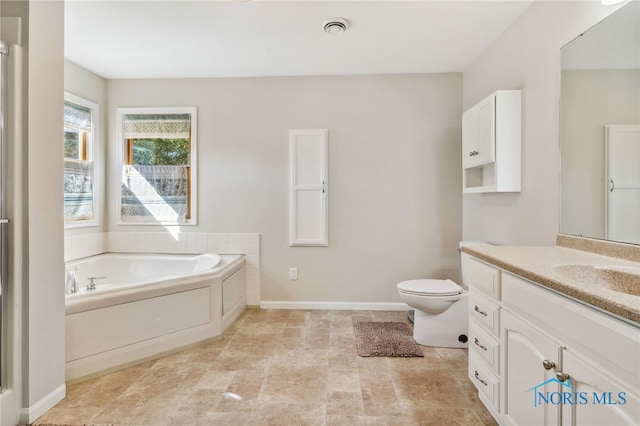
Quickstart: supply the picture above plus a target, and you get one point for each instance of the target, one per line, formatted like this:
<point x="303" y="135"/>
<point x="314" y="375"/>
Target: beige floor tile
<point x="216" y="379"/>
<point x="343" y="420"/>
<point x="427" y="388"/>
<point x="70" y="416"/>
<point x="443" y="416"/>
<point x="301" y="358"/>
<point x="343" y="382"/>
<point x="294" y="414"/>
<point x="295" y="385"/>
<point x="349" y="403"/>
<point x="294" y="367"/>
<point x="379" y="395"/>
<point x="245" y="385"/>
<point x="344" y="360"/>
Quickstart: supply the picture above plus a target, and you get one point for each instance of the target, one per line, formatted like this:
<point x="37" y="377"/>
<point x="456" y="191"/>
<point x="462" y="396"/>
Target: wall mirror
<point x="600" y="130"/>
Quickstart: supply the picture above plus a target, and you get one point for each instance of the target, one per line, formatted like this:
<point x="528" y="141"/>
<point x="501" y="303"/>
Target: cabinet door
<point x="526" y="383"/>
<point x="308" y="172"/>
<point x="478" y="134"/>
<point x="597" y="399"/>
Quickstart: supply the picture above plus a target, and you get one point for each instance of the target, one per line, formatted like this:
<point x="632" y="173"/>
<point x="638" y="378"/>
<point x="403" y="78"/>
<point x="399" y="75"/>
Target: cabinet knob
<point x="548" y="365"/>
<point x="563" y="377"/>
<point x="473" y="153"/>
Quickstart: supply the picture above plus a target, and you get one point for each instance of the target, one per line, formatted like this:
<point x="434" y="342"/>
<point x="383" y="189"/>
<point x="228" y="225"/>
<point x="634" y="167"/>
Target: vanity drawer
<point x="484" y="311"/>
<point x="483" y="378"/>
<point x="483" y="344"/>
<point x="484" y="277"/>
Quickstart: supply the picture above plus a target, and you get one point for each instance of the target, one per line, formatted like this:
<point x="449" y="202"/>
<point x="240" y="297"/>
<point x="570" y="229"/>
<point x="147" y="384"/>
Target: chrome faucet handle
<point x="92" y="284"/>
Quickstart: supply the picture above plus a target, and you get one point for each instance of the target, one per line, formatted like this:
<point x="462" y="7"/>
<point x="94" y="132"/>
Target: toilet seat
<point x="429" y="287"/>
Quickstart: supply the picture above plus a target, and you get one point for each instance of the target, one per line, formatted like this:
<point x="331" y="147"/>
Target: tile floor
<point x="291" y="367"/>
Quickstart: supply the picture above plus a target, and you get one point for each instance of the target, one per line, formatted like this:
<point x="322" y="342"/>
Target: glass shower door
<point x="3" y="220"/>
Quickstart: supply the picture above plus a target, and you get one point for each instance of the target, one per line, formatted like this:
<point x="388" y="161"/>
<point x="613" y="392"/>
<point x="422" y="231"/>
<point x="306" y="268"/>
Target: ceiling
<point x="185" y="39"/>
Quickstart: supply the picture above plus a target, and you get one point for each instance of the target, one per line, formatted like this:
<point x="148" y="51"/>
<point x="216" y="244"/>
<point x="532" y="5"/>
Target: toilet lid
<point x="430" y="287"/>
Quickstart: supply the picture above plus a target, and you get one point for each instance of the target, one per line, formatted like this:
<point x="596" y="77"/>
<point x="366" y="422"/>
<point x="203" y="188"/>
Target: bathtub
<point x="147" y="305"/>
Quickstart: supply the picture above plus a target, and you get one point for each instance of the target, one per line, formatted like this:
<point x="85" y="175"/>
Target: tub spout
<point x="71" y="285"/>
<point x="92" y="284"/>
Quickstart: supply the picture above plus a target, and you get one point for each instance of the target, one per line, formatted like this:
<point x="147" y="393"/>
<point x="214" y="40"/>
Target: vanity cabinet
<point x="530" y="359"/>
<point x="484" y="330"/>
<point x="491" y="138"/>
<point x="560" y="362"/>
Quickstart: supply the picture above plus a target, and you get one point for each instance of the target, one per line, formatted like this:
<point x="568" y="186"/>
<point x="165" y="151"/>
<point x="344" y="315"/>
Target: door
<point x="3" y="221"/>
<point x="531" y="391"/>
<point x="622" y="215"/>
<point x="598" y="400"/>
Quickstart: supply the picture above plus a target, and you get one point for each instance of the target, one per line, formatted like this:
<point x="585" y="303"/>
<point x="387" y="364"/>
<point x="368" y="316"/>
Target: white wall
<point x="394" y="173"/>
<point x="36" y="233"/>
<point x="527" y="57"/>
<point x="83" y="83"/>
<point x="44" y="372"/>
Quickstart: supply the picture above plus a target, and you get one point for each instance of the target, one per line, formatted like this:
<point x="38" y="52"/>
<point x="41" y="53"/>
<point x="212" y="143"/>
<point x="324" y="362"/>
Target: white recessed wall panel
<point x="309" y="213"/>
<point x="308" y="160"/>
<point x="308" y="187"/>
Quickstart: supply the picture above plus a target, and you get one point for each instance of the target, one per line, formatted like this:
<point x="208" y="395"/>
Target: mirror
<point x="600" y="130"/>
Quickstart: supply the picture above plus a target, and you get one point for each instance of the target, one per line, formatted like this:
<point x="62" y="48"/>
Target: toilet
<point x="441" y="318"/>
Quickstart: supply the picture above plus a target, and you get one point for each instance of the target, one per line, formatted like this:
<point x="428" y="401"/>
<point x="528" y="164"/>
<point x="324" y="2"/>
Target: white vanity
<point x="546" y="348"/>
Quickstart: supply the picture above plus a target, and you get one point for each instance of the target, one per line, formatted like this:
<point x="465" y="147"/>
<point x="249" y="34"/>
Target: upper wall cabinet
<point x="491" y="144"/>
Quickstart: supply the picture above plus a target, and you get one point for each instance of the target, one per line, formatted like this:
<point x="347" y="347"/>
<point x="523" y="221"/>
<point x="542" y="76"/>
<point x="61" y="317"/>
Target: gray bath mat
<point x="388" y="338"/>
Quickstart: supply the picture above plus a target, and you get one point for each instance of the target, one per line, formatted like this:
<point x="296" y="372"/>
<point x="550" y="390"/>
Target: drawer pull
<point x="477" y="376"/>
<point x="477" y="342"/>
<point x="548" y="365"/>
<point x="563" y="377"/>
<point x="475" y="308"/>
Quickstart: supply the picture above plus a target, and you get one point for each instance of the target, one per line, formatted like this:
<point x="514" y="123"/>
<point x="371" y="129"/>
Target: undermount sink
<point x="623" y="279"/>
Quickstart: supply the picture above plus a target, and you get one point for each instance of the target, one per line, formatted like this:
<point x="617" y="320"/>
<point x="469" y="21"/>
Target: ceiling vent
<point x="335" y="25"/>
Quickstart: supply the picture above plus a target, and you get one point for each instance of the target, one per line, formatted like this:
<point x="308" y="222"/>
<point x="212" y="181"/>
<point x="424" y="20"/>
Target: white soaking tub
<point x="146" y="305"/>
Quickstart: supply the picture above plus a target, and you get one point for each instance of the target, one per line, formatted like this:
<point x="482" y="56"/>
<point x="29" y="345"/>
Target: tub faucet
<point x="92" y="285"/>
<point x="71" y="285"/>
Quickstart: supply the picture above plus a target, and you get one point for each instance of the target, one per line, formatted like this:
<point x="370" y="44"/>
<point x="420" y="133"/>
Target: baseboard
<point x="336" y="306"/>
<point x="30" y="414"/>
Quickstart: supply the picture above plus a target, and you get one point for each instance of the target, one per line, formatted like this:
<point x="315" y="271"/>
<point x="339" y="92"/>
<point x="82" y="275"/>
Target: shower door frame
<point x="4" y="52"/>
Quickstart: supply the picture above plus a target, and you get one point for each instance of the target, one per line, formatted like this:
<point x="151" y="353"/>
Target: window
<point x="80" y="195"/>
<point x="158" y="184"/>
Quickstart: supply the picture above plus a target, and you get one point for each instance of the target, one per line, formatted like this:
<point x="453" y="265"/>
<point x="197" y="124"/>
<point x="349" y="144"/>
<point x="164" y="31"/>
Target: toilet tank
<point x="464" y="261"/>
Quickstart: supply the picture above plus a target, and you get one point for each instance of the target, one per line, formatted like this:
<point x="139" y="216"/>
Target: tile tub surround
<point x="290" y="367"/>
<point x="537" y="264"/>
<point x="247" y="244"/>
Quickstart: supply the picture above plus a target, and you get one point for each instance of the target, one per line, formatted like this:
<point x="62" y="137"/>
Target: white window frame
<point x="94" y="153"/>
<point x="120" y="162"/>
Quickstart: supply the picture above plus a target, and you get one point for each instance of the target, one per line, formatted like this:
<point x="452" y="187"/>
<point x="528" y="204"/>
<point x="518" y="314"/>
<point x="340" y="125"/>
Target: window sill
<point x="81" y="224"/>
<point x="191" y="222"/>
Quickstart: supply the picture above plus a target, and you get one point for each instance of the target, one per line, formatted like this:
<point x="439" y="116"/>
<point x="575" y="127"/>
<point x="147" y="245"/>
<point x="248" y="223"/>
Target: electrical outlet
<point x="293" y="273"/>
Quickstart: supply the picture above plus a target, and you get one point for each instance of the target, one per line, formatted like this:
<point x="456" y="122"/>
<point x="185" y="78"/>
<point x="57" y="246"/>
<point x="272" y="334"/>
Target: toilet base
<point x="449" y="329"/>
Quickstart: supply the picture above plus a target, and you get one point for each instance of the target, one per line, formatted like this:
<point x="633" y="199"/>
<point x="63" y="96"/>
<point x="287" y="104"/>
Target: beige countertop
<point x="544" y="265"/>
